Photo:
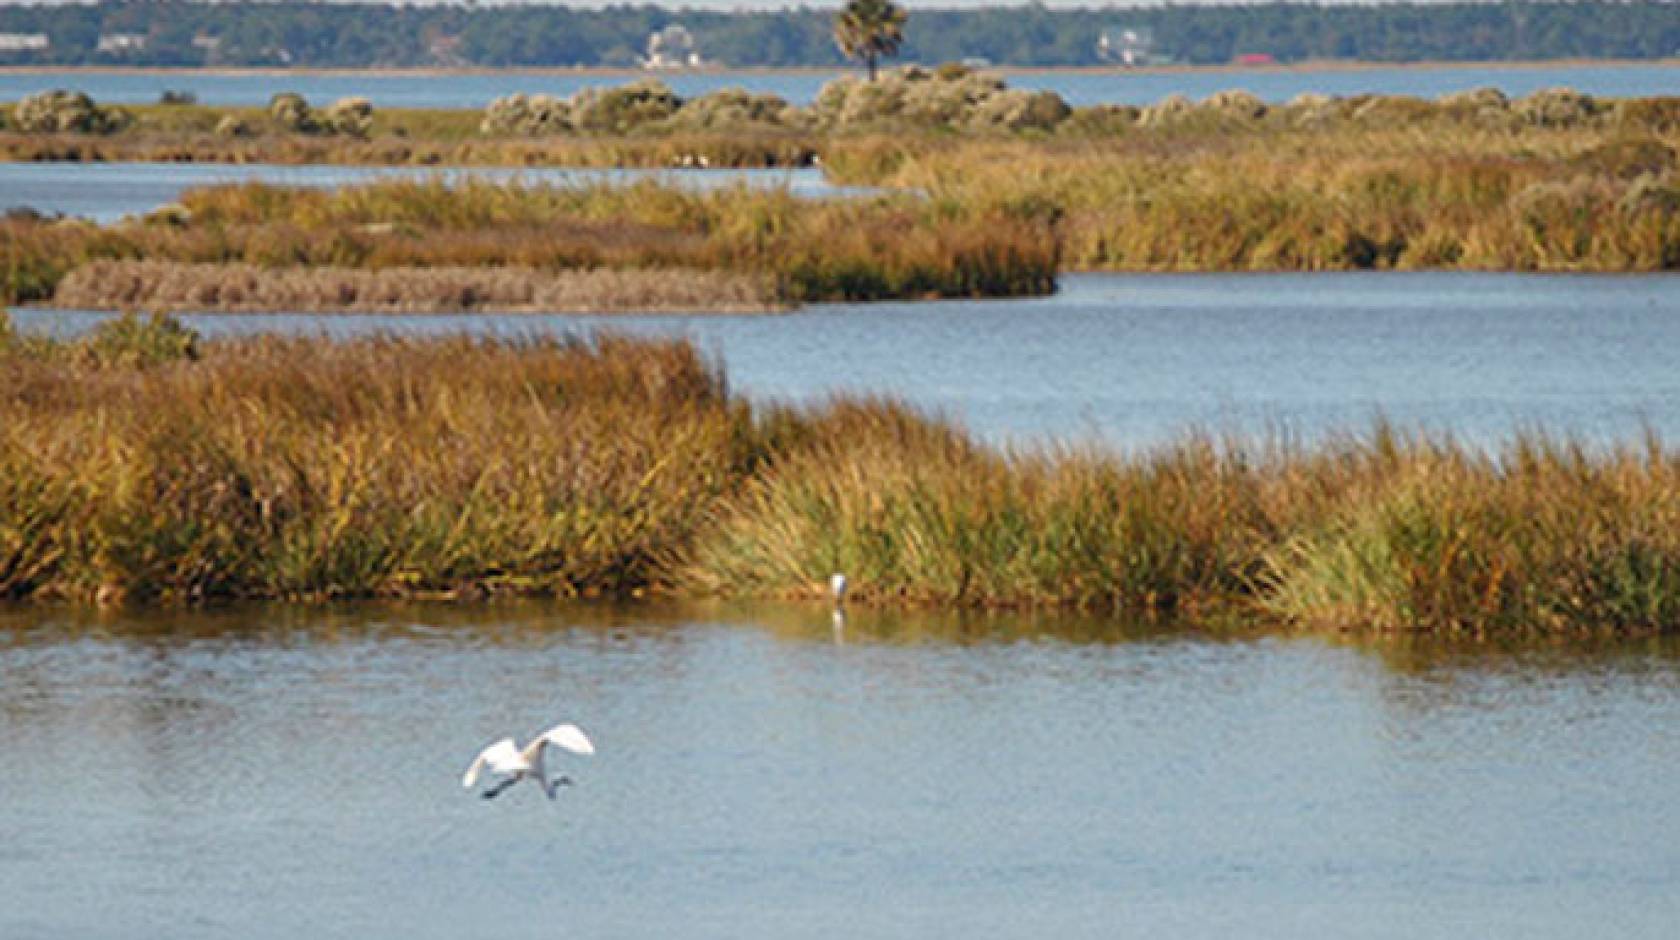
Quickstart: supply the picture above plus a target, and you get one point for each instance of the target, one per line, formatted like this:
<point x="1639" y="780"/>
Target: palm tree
<point x="869" y="29"/>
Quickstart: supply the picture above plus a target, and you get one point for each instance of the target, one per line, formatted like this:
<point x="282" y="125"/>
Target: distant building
<point x="206" y="42"/>
<point x="122" y="42"/>
<point x="1256" y="58"/>
<point x="671" y="48"/>
<point x="445" y="50"/>
<point x="24" y="42"/>
<point x="1126" y="45"/>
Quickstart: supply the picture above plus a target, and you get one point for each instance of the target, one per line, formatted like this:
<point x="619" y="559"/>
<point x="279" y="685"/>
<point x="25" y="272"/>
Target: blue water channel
<point x="476" y="89"/>
<point x="1139" y="360"/>
<point x="760" y="773"/>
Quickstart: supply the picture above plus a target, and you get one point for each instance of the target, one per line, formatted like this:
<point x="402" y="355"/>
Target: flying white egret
<point x="504" y="758"/>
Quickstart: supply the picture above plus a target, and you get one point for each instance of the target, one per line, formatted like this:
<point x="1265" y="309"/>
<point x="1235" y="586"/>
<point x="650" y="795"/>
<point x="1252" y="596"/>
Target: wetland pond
<point x="273" y="773"/>
<point x="765" y="773"/>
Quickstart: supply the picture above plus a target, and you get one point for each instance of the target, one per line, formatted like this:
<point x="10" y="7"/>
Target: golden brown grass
<point x="1556" y="181"/>
<point x="1596" y="198"/>
<point x="141" y="464"/>
<point x="232" y="288"/>
<point x="308" y="469"/>
<point x="885" y="247"/>
<point x="691" y="149"/>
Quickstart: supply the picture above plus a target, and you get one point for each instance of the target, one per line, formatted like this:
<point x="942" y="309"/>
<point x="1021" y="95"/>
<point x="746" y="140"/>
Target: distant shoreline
<point x="1315" y="66"/>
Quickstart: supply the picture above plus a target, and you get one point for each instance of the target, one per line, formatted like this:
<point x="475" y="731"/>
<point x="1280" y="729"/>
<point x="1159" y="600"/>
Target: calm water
<point x="476" y="90"/>
<point x="1136" y="359"/>
<point x="274" y="774"/>
<point x="109" y="191"/>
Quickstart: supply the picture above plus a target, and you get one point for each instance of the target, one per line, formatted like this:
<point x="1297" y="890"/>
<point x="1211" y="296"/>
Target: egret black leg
<point x="496" y="790"/>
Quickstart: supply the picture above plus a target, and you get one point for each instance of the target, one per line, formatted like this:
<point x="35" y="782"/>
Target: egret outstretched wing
<point x="504" y="757"/>
<point x="570" y="737"/>
<point x="501" y="757"/>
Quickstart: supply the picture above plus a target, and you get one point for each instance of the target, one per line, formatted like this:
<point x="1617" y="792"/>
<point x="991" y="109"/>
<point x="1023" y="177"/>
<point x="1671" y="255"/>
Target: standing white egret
<point x="504" y="758"/>
<point x="837" y="587"/>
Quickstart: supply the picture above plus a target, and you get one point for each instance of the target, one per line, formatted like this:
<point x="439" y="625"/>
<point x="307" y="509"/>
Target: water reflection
<point x="535" y="624"/>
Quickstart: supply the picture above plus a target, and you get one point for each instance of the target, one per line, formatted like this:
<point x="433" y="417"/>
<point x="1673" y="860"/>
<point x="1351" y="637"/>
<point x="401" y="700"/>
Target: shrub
<point x="1488" y="105"/>
<point x="232" y="126"/>
<point x="348" y="117"/>
<point x="736" y="109"/>
<point x="948" y="98"/>
<point x="60" y="111"/>
<point x="352" y="117"/>
<point x="1236" y="103"/>
<point x="1169" y="110"/>
<point x="624" y="109"/>
<point x="528" y="116"/>
<point x="1020" y="111"/>
<point x="291" y="111"/>
<point x="1312" y="111"/>
<point x="1557" y="107"/>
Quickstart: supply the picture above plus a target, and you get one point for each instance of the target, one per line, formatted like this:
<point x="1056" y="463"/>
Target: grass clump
<point x="1539" y="539"/>
<point x="135" y="342"/>
<point x="305" y="469"/>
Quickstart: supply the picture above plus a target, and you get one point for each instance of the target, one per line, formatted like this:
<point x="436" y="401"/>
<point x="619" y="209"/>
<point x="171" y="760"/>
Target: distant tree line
<point x="352" y="35"/>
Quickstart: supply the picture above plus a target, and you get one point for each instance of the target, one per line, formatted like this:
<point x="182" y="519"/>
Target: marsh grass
<point x="1592" y="197"/>
<point x="198" y="134"/>
<point x="806" y="250"/>
<point x="176" y="286"/>
<point x="1385" y="532"/>
<point x="1553" y="182"/>
<point x="142" y="465"/>
<point x="309" y="470"/>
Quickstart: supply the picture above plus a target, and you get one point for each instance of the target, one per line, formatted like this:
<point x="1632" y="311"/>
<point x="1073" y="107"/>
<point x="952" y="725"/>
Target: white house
<point x="671" y="48"/>
<point x="122" y="42"/>
<point x="1128" y="46"/>
<point x="24" y="42"/>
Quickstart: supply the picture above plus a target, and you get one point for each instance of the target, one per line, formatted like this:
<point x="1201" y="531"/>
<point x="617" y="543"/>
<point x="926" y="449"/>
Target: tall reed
<point x="1595" y="198"/>
<point x="307" y="469"/>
